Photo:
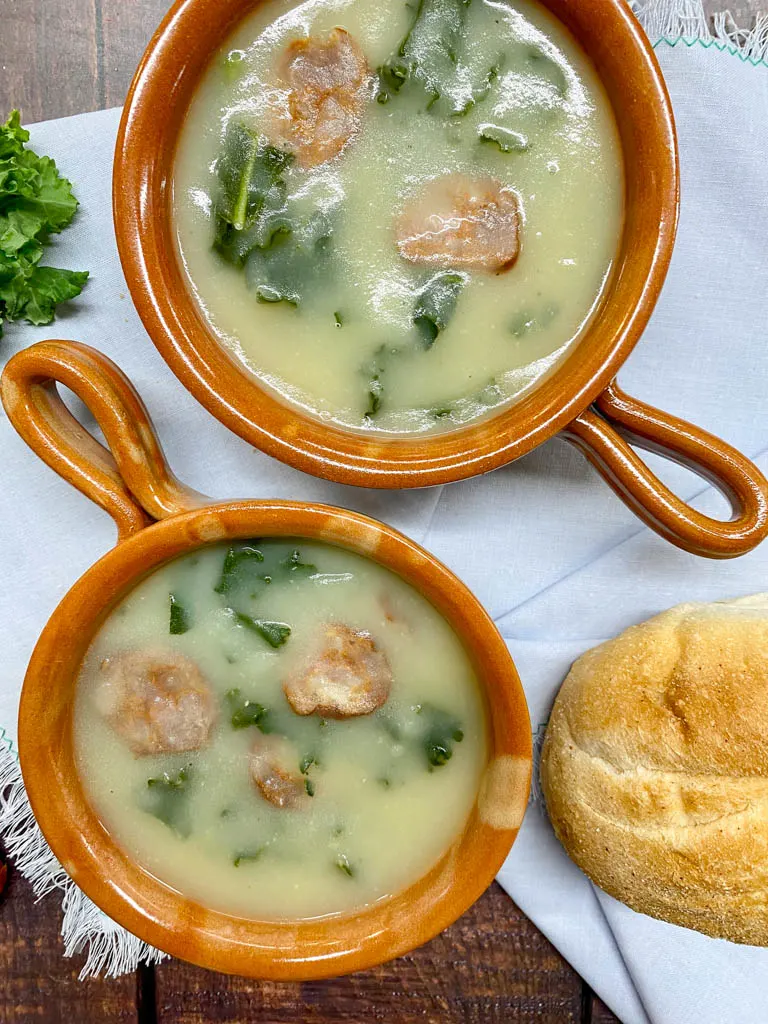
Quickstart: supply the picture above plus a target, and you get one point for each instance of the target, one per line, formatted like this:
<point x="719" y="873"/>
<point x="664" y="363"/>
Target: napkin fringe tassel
<point x="687" y="21"/>
<point x="109" y="949"/>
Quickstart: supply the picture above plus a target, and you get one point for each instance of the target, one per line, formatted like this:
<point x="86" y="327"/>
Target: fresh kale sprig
<point x="35" y="203"/>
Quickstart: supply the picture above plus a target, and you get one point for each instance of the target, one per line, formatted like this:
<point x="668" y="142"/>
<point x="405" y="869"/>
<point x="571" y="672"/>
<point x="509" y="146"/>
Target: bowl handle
<point x="604" y="433"/>
<point x="130" y="479"/>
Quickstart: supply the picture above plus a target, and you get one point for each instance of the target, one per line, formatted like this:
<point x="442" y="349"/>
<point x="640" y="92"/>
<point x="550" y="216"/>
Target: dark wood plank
<point x="49" y="57"/>
<point x="126" y="30"/>
<point x="599" y="1013"/>
<point x="492" y="966"/>
<point x="39" y="985"/>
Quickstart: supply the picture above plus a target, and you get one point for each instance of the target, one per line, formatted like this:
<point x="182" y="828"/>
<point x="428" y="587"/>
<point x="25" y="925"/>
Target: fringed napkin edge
<point x="109" y="949"/>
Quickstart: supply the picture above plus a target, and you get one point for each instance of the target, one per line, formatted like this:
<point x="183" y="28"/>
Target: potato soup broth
<point x="362" y="807"/>
<point x="353" y="350"/>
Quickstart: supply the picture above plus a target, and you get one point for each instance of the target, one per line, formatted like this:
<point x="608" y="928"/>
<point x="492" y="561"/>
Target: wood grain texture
<point x="38" y="985"/>
<point x="60" y="57"/>
<point x="599" y="1013"/>
<point x="49" y="58"/>
<point x="491" y="967"/>
<point x="127" y="27"/>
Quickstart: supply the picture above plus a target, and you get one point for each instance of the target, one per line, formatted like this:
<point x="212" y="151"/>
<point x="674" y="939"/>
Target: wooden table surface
<point x="60" y="57"/>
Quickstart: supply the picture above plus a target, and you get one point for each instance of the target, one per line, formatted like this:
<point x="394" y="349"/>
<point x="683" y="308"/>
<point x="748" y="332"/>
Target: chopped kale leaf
<point x="342" y="863"/>
<point x="248" y="856"/>
<point x="254" y="228"/>
<point x="428" y="56"/>
<point x="275" y="633"/>
<point x="238" y="564"/>
<point x="294" y="565"/>
<point x="436" y="304"/>
<point x="245" y="712"/>
<point x="180" y="617"/>
<point x="441" y="730"/>
<point x="167" y="799"/>
<point x="307" y="762"/>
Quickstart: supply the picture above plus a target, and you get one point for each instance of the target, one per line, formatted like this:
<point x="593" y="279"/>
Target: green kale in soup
<point x="429" y="54"/>
<point x="248" y="856"/>
<point x="440" y="731"/>
<point x="546" y="67"/>
<point x="247" y="570"/>
<point x="436" y="304"/>
<point x="245" y="713"/>
<point x="343" y="864"/>
<point x="374" y="371"/>
<point x="180" y="616"/>
<point x="250" y="204"/>
<point x="431" y="58"/>
<point x="294" y="565"/>
<point x="275" y="633"/>
<point x="490" y="394"/>
<point x="428" y="731"/>
<point x="168" y="799"/>
<point x="527" y="321"/>
<point x="306" y="765"/>
<point x="375" y="395"/>
<point x="238" y="567"/>
<point x="257" y="228"/>
<point x="308" y="762"/>
<point x="290" y="263"/>
<point x="234" y="65"/>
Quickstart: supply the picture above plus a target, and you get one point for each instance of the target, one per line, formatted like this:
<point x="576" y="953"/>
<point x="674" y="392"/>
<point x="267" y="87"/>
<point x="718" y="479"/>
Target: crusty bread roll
<point x="655" y="767"/>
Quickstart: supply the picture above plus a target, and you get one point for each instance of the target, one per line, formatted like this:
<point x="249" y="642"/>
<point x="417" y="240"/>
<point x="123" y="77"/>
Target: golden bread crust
<point x="655" y="768"/>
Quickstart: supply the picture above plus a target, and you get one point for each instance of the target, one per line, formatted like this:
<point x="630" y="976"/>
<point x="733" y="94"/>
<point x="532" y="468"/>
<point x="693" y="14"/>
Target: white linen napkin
<point x="555" y="557"/>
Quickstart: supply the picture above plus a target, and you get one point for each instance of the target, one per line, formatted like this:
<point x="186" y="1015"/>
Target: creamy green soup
<point x="399" y="217"/>
<point x="280" y="729"/>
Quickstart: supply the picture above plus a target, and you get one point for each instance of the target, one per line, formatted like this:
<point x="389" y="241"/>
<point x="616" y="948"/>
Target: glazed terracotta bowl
<point x="580" y="398"/>
<point x="159" y="519"/>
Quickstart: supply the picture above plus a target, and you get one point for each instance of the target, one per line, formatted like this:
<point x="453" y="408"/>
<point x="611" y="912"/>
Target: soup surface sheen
<point x="483" y="102"/>
<point x="353" y="808"/>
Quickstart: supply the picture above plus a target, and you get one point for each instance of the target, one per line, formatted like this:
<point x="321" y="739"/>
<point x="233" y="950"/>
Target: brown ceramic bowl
<point x="580" y="398"/>
<point x="132" y="482"/>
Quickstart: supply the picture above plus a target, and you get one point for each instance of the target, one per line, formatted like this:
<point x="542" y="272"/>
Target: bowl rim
<point x="184" y="928"/>
<point x="188" y="37"/>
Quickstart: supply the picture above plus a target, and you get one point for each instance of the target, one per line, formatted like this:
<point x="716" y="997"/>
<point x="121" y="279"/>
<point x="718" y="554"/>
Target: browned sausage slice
<point x="327" y="81"/>
<point x="459" y="222"/>
<point x="158" y="703"/>
<point x="349" y="676"/>
<point x="273" y="764"/>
